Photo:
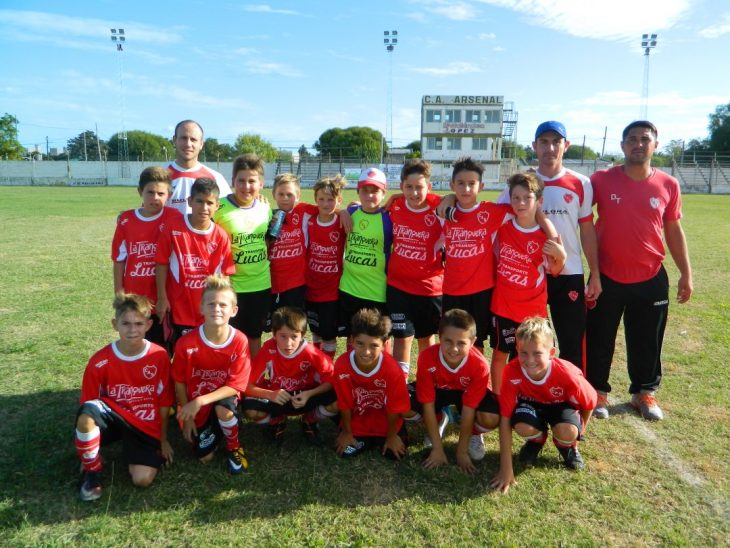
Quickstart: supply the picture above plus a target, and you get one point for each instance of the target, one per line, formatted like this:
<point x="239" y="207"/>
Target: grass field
<point x="645" y="484"/>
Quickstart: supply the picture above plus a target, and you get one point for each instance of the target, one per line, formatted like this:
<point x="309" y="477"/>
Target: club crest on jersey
<point x="464" y="381"/>
<point x="304" y="366"/>
<point x="149" y="371"/>
<point x="429" y="220"/>
<point x="212" y="246"/>
<point x="234" y="357"/>
<point x="363" y="224"/>
<point x="334" y="237"/>
<point x="516" y="381"/>
<point x="573" y="295"/>
<point x="532" y="247"/>
<point x="567" y="197"/>
<point x="483" y="217"/>
<point x="380" y="383"/>
<point x="557" y="391"/>
<point x="654" y="202"/>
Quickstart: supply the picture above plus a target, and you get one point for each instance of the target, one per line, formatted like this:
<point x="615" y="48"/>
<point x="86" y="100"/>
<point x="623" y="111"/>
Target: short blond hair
<point x="535" y="329"/>
<point x="286" y="178"/>
<point x="218" y="282"/>
<point x="129" y="302"/>
<point x="334" y="184"/>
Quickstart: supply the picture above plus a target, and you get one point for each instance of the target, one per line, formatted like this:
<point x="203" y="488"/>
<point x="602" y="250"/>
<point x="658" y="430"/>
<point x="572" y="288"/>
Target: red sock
<point x="87" y="448"/>
<point x="230" y="431"/>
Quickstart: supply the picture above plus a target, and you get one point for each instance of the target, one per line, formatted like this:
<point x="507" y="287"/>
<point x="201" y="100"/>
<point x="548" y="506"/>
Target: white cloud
<point x="265" y="8"/>
<point x="715" y="31"/>
<point x="417" y="16"/>
<point x="487" y="36"/>
<point x="263" y="67"/>
<point x="603" y="19"/>
<point x="454" y="69"/>
<point x="499" y="49"/>
<point x="454" y="10"/>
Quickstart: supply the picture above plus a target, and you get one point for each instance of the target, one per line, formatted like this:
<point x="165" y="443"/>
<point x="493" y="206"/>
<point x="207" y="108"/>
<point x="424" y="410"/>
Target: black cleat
<point x="572" y="458"/>
<point x="529" y="453"/>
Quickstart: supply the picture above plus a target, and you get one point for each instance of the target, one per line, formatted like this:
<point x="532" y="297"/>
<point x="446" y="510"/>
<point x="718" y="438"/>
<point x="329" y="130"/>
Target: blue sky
<point x="290" y="70"/>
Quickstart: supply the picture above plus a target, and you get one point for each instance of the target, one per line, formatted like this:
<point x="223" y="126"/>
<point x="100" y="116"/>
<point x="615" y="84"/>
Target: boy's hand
<point x="463" y="461"/>
<point x="300" y="399"/>
<point x="162" y="307"/>
<point x="189" y="410"/>
<point x="396" y="446"/>
<point x="435" y="458"/>
<point x="448" y="201"/>
<point x="554" y="248"/>
<point x="345" y="220"/>
<point x="167" y="452"/>
<point x="344" y="439"/>
<point x="503" y="481"/>
<point x="281" y="397"/>
<point x="189" y="430"/>
<point x="392" y="198"/>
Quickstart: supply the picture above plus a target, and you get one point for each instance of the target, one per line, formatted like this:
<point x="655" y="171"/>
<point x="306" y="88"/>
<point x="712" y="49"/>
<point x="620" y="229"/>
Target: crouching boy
<point x="125" y="395"/>
<point x="371" y="390"/>
<point x="540" y="390"/>
<point x="210" y="367"/>
<point x="290" y="376"/>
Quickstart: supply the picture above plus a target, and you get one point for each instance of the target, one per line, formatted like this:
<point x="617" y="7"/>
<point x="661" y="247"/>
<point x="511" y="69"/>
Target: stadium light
<point x="390" y="40"/>
<point x="119" y="38"/>
<point x="648" y="42"/>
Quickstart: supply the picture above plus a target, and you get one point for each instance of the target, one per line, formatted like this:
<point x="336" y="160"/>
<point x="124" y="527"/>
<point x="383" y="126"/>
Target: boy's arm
<point x="585" y="416"/>
<point x="505" y="477"/>
<point x="546" y="225"/>
<point x="118" y="274"/>
<point x="556" y="255"/>
<point x="589" y="243"/>
<point x="188" y="426"/>
<point x="165" y="447"/>
<point x="392" y="440"/>
<point x="163" y="305"/>
<point x="301" y="399"/>
<point x="345" y="437"/>
<point x="277" y="396"/>
<point x="191" y="408"/>
<point x="463" y="460"/>
<point x="437" y="456"/>
<point x="447" y="201"/>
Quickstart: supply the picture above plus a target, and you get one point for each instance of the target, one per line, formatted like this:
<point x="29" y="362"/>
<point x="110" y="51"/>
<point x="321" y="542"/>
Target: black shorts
<point x="322" y="318"/>
<point x="277" y="410"/>
<point x="413" y="315"/>
<point x="156" y="333"/>
<point x="348" y="305"/>
<point x="446" y="397"/>
<point x="504" y="330"/>
<point x="253" y="310"/>
<point x="177" y="332"/>
<point x="293" y="297"/>
<point x="540" y="415"/>
<point x="479" y="305"/>
<point x="210" y="435"/>
<point x="138" y="448"/>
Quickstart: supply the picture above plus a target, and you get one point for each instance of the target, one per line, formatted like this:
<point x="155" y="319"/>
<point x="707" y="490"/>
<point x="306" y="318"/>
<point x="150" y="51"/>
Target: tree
<point x="10" y="147"/>
<point x="674" y="148"/>
<point x="247" y="143"/>
<point x="219" y="152"/>
<point x="353" y="142"/>
<point x="304" y="154"/>
<point x="415" y="148"/>
<point x="720" y="129"/>
<point x="576" y="152"/>
<point x="142" y="146"/>
<point x="78" y="149"/>
<point x="510" y="149"/>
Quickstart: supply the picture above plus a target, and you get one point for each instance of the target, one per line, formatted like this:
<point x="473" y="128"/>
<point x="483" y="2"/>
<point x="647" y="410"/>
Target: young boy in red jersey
<point x="325" y="244"/>
<point x="211" y="367"/>
<point x="538" y="390"/>
<point x="190" y="249"/>
<point x="454" y="372"/>
<point x="371" y="390"/>
<point x="415" y="269"/>
<point x="524" y="254"/>
<point x="126" y="394"/>
<point x="289" y="376"/>
<point x="134" y="244"/>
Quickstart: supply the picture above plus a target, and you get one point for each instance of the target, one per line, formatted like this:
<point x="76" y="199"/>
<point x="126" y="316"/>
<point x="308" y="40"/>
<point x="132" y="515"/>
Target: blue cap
<point x="552" y="125"/>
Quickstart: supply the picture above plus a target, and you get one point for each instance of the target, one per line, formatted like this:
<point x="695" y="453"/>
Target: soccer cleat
<point x="237" y="461"/>
<point x="352" y="450"/>
<point x="445" y="419"/>
<point x="311" y="432"/>
<point x="476" y="447"/>
<point x="276" y="431"/>
<point x="571" y="458"/>
<point x="601" y="410"/>
<point x="90" y="486"/>
<point x="646" y="404"/>
<point x="529" y="453"/>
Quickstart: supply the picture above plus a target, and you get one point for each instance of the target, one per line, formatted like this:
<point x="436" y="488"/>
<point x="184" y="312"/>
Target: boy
<point x="135" y="242"/>
<point x="538" y="390"/>
<point x="245" y="218"/>
<point x="126" y="394"/>
<point x="210" y="368"/>
<point x="287" y="250"/>
<point x="367" y="250"/>
<point x="325" y="245"/>
<point x="190" y="249"/>
<point x="454" y="372"/>
<point x="524" y="254"/>
<point x="415" y="270"/>
<point x="289" y="377"/>
<point x="371" y="391"/>
<point x="469" y="264"/>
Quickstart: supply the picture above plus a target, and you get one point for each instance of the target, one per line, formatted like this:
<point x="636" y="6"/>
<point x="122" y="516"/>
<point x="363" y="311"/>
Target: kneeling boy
<point x="290" y="376"/>
<point x="125" y="394"/>
<point x="210" y="368"/>
<point x="538" y="390"/>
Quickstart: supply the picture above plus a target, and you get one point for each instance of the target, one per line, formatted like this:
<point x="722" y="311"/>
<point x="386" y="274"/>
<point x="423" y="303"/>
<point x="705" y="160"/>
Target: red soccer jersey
<point x="182" y="180"/>
<point x="470" y="263"/>
<point x="563" y="383"/>
<point x="631" y="218"/>
<point x="416" y="261"/>
<point x="521" y="288"/>
<point x="325" y="245"/>
<point x="135" y="245"/>
<point x="204" y="366"/>
<point x="135" y="387"/>
<point x="471" y="376"/>
<point x="287" y="252"/>
<point x="191" y="255"/>
<point x="307" y="368"/>
<point x="370" y="396"/>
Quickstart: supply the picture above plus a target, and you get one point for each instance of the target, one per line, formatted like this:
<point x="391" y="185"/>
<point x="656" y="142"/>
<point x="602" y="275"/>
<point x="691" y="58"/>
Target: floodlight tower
<point x="118" y="38"/>
<point x="390" y="39"/>
<point x="648" y="42"/>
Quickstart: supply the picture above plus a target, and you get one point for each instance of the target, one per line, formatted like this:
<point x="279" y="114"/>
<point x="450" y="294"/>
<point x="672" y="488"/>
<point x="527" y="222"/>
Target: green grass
<point x="55" y="296"/>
